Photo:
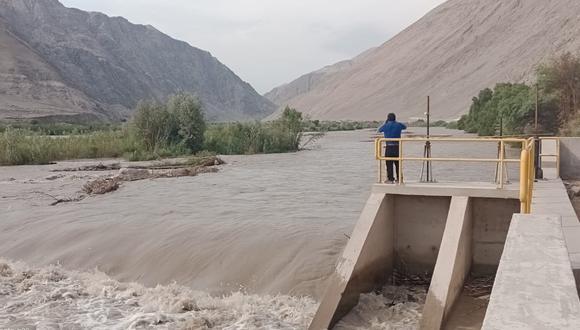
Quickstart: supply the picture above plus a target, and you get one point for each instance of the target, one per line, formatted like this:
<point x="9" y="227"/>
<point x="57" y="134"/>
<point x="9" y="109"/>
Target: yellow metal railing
<point x="526" y="161"/>
<point x="527" y="175"/>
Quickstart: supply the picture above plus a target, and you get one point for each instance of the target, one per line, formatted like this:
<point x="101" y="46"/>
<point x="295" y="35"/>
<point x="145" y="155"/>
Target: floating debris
<point x="91" y="168"/>
<point x="479" y="287"/>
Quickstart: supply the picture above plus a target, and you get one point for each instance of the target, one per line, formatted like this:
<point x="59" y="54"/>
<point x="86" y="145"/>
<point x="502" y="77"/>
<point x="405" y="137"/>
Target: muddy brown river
<point x="249" y="247"/>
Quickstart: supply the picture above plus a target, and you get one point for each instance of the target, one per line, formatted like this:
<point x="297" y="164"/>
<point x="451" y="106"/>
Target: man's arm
<point x="403" y="126"/>
<point x="382" y="128"/>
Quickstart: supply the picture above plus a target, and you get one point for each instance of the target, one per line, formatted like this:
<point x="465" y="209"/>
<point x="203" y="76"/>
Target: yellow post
<point x="378" y="157"/>
<point x="501" y="163"/>
<point x="400" y="174"/>
<point x="524" y="167"/>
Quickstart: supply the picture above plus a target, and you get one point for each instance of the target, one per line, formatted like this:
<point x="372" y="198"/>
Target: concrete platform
<point x="469" y="189"/>
<point x="550" y="197"/>
<point x="534" y="286"/>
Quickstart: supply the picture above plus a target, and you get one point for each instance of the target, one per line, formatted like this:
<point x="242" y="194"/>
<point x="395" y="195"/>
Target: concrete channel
<point x="449" y="231"/>
<point x="458" y="231"/>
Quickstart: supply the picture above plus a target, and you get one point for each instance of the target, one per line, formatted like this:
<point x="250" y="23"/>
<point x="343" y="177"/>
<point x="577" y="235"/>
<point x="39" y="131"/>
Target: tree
<point x="188" y="115"/>
<point x="561" y="77"/>
<point x="508" y="105"/>
<point x="179" y="123"/>
<point x="151" y="121"/>
<point x="291" y="122"/>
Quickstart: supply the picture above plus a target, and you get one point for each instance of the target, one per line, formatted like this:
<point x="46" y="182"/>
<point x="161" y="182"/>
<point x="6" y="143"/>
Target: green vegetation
<point x="510" y="108"/>
<point x="332" y="126"/>
<point x="178" y="125"/>
<point x="55" y="129"/>
<point x="452" y="125"/>
<point x="156" y="131"/>
<point x="21" y="147"/>
<point x="281" y="135"/>
<point x="423" y="123"/>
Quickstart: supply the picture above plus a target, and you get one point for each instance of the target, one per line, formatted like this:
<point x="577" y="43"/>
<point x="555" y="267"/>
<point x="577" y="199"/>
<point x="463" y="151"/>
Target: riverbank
<point x="156" y="131"/>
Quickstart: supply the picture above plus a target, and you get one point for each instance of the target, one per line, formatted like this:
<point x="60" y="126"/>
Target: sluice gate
<point x="455" y="231"/>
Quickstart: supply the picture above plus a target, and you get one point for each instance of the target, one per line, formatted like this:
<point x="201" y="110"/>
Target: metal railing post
<point x="378" y="158"/>
<point x="524" y="167"/>
<point x="501" y="163"/>
<point x="400" y="167"/>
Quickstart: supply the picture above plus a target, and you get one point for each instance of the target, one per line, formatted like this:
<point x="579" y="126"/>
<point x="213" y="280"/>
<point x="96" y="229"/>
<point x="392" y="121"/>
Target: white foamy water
<point x="52" y="298"/>
<point x="395" y="307"/>
<point x="271" y="226"/>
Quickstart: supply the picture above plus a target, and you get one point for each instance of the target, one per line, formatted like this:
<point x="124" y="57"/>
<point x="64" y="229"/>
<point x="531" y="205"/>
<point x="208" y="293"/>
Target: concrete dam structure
<point x="525" y="234"/>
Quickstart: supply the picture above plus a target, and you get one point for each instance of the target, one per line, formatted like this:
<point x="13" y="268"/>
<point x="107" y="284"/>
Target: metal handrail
<point x="526" y="160"/>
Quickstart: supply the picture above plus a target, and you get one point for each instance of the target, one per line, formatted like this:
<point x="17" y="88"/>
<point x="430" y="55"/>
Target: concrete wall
<point x="365" y="265"/>
<point x="453" y="265"/>
<point x="419" y="225"/>
<point x="570" y="158"/>
<point x="406" y="232"/>
<point x="491" y="222"/>
<point x="534" y="286"/>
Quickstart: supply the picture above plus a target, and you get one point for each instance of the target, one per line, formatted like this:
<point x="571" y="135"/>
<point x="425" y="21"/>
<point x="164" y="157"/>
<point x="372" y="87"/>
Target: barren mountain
<point x="62" y="61"/>
<point x="450" y="54"/>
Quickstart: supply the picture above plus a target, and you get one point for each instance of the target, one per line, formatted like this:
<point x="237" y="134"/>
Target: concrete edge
<point x="365" y="265"/>
<point x="452" y="267"/>
<point x="446" y="190"/>
<point x="534" y="286"/>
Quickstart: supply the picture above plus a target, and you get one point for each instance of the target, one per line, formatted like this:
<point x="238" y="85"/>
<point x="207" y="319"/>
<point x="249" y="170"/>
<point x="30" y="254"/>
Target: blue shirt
<point x="392" y="130"/>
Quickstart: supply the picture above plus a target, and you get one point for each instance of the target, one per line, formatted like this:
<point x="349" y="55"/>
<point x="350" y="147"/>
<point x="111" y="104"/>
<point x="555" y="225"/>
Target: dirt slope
<point x="451" y="54"/>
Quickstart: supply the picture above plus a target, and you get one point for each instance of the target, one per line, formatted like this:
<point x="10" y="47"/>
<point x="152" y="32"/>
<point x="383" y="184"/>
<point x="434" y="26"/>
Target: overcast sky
<point x="271" y="42"/>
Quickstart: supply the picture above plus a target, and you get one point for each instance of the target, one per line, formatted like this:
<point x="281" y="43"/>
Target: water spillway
<point x="455" y="232"/>
<point x="448" y="232"/>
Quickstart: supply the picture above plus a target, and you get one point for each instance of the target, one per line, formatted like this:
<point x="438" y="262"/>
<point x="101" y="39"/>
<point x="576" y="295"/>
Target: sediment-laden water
<point x="250" y="247"/>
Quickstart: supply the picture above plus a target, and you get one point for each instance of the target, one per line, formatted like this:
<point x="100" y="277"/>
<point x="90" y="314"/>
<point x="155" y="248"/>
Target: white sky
<point x="271" y="42"/>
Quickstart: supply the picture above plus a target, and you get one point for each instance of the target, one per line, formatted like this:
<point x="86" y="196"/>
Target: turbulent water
<point x="51" y="298"/>
<point x="395" y="307"/>
<point x="247" y="248"/>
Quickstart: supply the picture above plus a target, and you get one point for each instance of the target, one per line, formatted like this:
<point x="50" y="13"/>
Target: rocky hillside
<point x="451" y="54"/>
<point x="62" y="61"/>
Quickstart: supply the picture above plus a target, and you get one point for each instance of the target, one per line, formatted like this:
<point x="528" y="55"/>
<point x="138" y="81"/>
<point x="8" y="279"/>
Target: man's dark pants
<point x="392" y="151"/>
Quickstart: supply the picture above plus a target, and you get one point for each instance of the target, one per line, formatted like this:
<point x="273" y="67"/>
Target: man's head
<point x="391" y="117"/>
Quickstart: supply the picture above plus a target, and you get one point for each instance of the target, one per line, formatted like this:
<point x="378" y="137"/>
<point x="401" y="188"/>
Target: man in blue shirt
<point x="392" y="129"/>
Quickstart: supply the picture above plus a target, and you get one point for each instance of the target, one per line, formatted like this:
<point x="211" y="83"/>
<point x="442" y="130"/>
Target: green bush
<point x="282" y="135"/>
<point x="452" y="125"/>
<point x="189" y="119"/>
<point x="330" y="126"/>
<point x="179" y="124"/>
